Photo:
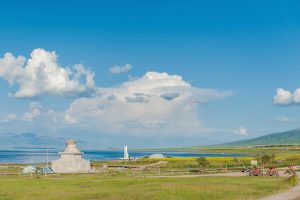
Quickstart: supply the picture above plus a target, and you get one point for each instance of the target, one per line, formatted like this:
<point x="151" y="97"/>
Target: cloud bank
<point x="155" y="101"/>
<point x="42" y="74"/>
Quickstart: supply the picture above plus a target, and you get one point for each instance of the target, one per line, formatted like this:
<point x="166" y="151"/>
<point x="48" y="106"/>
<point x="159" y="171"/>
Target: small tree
<point x="202" y="162"/>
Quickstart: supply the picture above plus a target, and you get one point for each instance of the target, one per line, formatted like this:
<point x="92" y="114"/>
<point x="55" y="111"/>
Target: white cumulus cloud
<point x="154" y="101"/>
<point x="120" y="69"/>
<point x="284" y="97"/>
<point x="42" y="74"/>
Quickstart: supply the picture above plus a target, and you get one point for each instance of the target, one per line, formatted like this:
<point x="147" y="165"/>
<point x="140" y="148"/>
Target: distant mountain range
<point x="30" y="140"/>
<point x="287" y="137"/>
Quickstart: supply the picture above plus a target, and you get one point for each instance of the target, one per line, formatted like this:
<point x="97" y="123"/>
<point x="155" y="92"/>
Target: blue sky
<point x="242" y="51"/>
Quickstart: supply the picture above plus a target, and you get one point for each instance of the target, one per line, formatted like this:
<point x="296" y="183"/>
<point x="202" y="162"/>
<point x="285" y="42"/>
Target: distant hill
<point x="287" y="137"/>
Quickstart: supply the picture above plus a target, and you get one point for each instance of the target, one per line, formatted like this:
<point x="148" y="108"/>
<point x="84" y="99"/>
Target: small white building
<point x="70" y="161"/>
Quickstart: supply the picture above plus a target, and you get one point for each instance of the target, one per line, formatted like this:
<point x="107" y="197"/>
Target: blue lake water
<point x="40" y="155"/>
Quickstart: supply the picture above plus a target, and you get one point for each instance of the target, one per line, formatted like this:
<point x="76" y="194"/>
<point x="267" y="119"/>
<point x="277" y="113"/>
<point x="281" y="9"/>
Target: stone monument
<point x="70" y="160"/>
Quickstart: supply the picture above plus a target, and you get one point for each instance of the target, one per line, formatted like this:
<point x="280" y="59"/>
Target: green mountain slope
<point x="288" y="137"/>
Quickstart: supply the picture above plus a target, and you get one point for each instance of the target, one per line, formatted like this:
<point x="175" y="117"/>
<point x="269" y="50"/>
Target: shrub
<point x="202" y="162"/>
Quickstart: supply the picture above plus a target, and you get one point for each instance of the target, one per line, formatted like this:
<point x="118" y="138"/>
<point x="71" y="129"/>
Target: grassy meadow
<point x="122" y="186"/>
<point x="140" y="179"/>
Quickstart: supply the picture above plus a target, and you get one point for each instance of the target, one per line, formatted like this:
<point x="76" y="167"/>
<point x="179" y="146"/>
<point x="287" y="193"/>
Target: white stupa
<point x="70" y="160"/>
<point x="126" y="155"/>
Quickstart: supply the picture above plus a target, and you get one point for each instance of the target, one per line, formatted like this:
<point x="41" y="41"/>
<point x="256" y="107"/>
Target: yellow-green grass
<point x="215" y="162"/>
<point x="194" y="158"/>
<point x="279" y="151"/>
<point x="285" y="155"/>
<point x="122" y="186"/>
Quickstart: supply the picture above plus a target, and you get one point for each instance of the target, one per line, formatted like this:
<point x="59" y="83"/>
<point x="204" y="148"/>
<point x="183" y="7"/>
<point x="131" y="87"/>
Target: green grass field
<point x="121" y="187"/>
<point x="120" y="184"/>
